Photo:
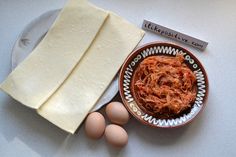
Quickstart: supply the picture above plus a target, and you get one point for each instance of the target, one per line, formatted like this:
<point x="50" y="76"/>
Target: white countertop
<point x="213" y="133"/>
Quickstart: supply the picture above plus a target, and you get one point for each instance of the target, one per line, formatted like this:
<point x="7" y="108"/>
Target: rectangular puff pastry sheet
<point x="52" y="61"/>
<point x="69" y="105"/>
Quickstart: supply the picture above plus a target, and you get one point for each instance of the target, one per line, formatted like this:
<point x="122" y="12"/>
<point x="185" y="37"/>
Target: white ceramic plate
<point x="33" y="34"/>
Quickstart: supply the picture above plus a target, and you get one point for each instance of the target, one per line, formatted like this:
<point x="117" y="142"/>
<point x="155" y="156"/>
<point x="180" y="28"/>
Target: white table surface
<point x="24" y="133"/>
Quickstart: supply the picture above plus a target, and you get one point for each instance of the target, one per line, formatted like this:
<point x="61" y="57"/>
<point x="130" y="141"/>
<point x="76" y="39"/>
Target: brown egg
<point x="117" y="113"/>
<point x="95" y="125"/>
<point x="116" y="135"/>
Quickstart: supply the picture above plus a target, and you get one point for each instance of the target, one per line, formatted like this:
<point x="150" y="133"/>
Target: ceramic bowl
<point x="166" y="49"/>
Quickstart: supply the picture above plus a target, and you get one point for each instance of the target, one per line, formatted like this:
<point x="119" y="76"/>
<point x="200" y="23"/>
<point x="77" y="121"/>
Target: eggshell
<point x="95" y="125"/>
<point x="116" y="135"/>
<point x="117" y="113"/>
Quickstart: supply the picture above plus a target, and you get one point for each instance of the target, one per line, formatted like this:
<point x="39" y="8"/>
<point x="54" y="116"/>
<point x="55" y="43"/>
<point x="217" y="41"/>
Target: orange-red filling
<point x="164" y="86"/>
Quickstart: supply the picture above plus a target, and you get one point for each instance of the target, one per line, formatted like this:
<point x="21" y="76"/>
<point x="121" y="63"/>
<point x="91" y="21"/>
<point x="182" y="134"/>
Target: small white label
<point x="164" y="31"/>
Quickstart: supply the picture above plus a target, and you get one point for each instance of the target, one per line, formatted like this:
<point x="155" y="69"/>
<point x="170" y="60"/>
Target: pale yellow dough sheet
<point x="73" y="65"/>
<point x="51" y="62"/>
<point x="68" y="107"/>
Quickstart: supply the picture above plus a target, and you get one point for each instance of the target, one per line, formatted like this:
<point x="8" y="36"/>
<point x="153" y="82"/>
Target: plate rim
<point x="152" y="44"/>
<point x="24" y="30"/>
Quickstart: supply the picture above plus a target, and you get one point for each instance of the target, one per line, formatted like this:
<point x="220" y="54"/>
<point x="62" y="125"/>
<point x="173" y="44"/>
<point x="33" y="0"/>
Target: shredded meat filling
<point x="164" y="86"/>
